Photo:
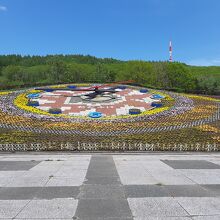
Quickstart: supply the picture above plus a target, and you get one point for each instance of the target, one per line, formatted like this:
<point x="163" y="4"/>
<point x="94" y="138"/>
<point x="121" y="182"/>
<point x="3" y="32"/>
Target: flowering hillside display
<point x="127" y="118"/>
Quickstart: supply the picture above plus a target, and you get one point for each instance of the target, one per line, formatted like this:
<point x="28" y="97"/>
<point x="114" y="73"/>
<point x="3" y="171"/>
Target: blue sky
<point x="122" y="29"/>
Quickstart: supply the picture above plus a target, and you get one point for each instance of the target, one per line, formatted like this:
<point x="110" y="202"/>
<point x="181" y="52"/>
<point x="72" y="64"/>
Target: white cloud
<point x="205" y="62"/>
<point x="3" y="8"/>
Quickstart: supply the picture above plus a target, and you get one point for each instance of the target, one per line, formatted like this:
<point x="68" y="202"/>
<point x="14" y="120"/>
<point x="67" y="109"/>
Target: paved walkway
<point x="110" y="186"/>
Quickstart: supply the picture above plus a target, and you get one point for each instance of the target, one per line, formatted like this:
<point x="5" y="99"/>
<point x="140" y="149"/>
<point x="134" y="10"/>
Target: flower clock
<point x="108" y="117"/>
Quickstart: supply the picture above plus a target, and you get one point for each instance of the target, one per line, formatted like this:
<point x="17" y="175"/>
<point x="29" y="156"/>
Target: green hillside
<point x="17" y="71"/>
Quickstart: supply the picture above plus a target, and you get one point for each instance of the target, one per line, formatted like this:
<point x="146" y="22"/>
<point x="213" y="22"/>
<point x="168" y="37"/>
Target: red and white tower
<point x="171" y="52"/>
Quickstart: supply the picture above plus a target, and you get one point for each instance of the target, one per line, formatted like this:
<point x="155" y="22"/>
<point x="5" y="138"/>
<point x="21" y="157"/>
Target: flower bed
<point x="183" y="120"/>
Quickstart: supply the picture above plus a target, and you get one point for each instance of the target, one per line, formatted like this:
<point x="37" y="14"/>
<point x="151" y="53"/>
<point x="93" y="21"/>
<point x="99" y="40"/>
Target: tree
<point x="58" y="71"/>
<point x="12" y="73"/>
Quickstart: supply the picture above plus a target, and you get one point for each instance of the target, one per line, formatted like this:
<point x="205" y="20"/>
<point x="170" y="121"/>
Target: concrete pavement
<point x="110" y="186"/>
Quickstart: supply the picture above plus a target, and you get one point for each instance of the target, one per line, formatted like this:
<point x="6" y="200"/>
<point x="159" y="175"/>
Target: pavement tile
<point x="102" y="171"/>
<point x="207" y="217"/>
<point x="55" y="208"/>
<point x="213" y="160"/>
<point x="140" y="191"/>
<point x="76" y="163"/>
<point x="70" y="173"/>
<point x="135" y="173"/>
<point x="58" y="192"/>
<point x="18" y="193"/>
<point x="164" y="218"/>
<point x="42" y="218"/>
<point x="17" y="165"/>
<point x="155" y="165"/>
<point x="101" y="167"/>
<point x="79" y="157"/>
<point x="4" y="181"/>
<point x="103" y="208"/>
<point x="200" y="206"/>
<point x="11" y="173"/>
<point x="214" y="188"/>
<point x="143" y="208"/>
<point x="203" y="176"/>
<point x="136" y="177"/>
<point x="98" y="171"/>
<point x="40" y="174"/>
<point x="102" y="180"/>
<point x="138" y="158"/>
<point x="171" y="177"/>
<point x="10" y="208"/>
<point x="63" y="181"/>
<point x="28" y="182"/>
<point x="102" y="192"/>
<point x="48" y="168"/>
<point x="74" y="167"/>
<point x="29" y="193"/>
<point x="97" y="218"/>
<point x="49" y="163"/>
<point x="128" y="165"/>
<point x="191" y="164"/>
<point x="188" y="191"/>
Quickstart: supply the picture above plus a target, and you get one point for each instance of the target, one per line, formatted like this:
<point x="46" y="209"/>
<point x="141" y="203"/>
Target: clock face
<point x="80" y="103"/>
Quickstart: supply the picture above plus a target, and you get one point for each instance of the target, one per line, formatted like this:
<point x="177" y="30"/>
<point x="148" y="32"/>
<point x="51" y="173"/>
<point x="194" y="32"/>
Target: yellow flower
<point x="4" y="93"/>
<point x="21" y="101"/>
<point x="203" y="98"/>
<point x="34" y="91"/>
<point x="208" y="128"/>
<point x="217" y="138"/>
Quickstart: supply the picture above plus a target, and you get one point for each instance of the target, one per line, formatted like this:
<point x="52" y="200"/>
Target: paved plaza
<point x="154" y="186"/>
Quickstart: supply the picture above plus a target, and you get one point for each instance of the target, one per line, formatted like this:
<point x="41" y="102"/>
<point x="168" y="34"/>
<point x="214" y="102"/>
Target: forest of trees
<point x="25" y="71"/>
